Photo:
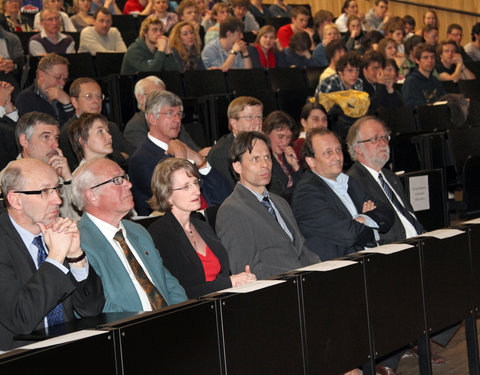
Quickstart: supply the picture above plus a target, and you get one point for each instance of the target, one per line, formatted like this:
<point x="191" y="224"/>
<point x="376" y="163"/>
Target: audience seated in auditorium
<point x="121" y="251"/>
<point x="411" y="46"/>
<point x="164" y="112"/>
<point x="8" y="121"/>
<point x="299" y="51"/>
<point x="229" y="51"/>
<point x="430" y="34"/>
<point x="12" y="19"/>
<point x="41" y="290"/>
<point x="188" y="11"/>
<point x="111" y="5"/>
<point x="313" y="115"/>
<point x="87" y="97"/>
<point x="204" y="14"/>
<point x="386" y="95"/>
<point x="300" y="18"/>
<point x="151" y="52"/>
<point x="429" y="18"/>
<point x="12" y="60"/>
<point x="189" y="247"/>
<point x="455" y="33"/>
<point x="8" y="112"/>
<point x="346" y="78"/>
<point x="220" y="11"/>
<point x="134" y="6"/>
<point x="240" y="10"/>
<point x="388" y="48"/>
<point x="54" y="6"/>
<point x="368" y="146"/>
<point x="36" y="134"/>
<point x="473" y="48"/>
<point x="409" y="26"/>
<point x="245" y="113"/>
<point x="335" y="49"/>
<point x="101" y="37"/>
<point x="334" y="214"/>
<point x="377" y="16"/>
<point x="256" y="227"/>
<point x="186" y="46"/>
<point x="421" y="87"/>
<point x="330" y="32"/>
<point x="160" y="10"/>
<point x="90" y="138"/>
<point x="395" y="29"/>
<point x="450" y="66"/>
<point x="349" y="8"/>
<point x="320" y="19"/>
<point x="82" y="18"/>
<point x="263" y="53"/>
<point x="46" y="94"/>
<point x="281" y="130"/>
<point x="136" y="130"/>
<point x="372" y="62"/>
<point x="259" y="11"/>
<point x="354" y="36"/>
<point x="371" y="39"/>
<point x="50" y="39"/>
<point x="280" y="9"/>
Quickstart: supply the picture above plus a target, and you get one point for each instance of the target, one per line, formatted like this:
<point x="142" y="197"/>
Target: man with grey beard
<point x="368" y="146"/>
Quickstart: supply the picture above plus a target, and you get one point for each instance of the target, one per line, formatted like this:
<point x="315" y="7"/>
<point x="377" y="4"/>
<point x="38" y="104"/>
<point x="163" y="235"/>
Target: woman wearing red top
<point x="189" y="247"/>
<point x="313" y="115"/>
<point x="263" y="53"/>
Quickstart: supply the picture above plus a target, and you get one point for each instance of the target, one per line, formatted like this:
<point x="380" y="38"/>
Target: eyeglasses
<point x="117" y="180"/>
<point x="375" y="139"/>
<point x="172" y="114"/>
<point x="44" y="193"/>
<point x="59" y="78"/>
<point x="190" y="185"/>
<point x="90" y="97"/>
<point x="251" y="118"/>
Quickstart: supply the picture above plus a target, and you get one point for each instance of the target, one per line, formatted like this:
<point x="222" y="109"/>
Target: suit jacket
<point x="182" y="260"/>
<point x="328" y="226"/>
<point x="375" y="191"/>
<point x="16" y="53"/>
<point x="142" y="163"/>
<point x="253" y="237"/>
<point x="279" y="181"/>
<point x="218" y="157"/>
<point x="28" y="294"/>
<point x="120" y="293"/>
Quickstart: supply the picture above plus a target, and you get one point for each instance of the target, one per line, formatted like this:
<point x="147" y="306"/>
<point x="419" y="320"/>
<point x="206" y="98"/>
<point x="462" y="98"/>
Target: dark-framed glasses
<point x="117" y="180"/>
<point x="190" y="185"/>
<point x="44" y="193"/>
<point x="376" y="138"/>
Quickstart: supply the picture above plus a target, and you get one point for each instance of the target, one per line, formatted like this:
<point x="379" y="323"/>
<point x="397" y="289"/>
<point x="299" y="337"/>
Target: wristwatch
<point x="232" y="52"/>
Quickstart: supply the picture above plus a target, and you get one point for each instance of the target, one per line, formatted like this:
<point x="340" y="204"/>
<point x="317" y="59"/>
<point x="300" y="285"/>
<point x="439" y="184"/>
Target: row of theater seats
<point x="309" y="322"/>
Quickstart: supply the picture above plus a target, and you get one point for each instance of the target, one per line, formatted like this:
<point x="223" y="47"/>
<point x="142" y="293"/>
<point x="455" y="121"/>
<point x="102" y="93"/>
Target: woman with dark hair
<point x="313" y="115"/>
<point x="281" y="128"/>
<point x="186" y="46"/>
<point x="349" y="8"/>
<point x="189" y="247"/>
<point x="320" y="19"/>
<point x="263" y="53"/>
<point x="298" y="54"/>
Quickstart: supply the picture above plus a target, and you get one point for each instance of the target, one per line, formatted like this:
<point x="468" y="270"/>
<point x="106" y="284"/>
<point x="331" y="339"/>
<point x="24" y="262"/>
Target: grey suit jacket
<point x="374" y="190"/>
<point x="253" y="237"/>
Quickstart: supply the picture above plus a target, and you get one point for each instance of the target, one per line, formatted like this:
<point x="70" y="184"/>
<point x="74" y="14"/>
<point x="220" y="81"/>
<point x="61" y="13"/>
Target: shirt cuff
<point x="79" y="274"/>
<point x="369" y="222"/>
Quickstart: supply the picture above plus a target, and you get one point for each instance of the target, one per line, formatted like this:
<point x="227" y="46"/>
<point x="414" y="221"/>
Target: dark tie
<point x="154" y="296"/>
<point x="268" y="205"/>
<point x="393" y="198"/>
<point x="55" y="316"/>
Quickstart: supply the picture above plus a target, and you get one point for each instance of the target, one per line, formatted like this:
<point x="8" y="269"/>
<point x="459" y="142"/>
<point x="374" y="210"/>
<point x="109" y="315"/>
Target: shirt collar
<point x="158" y="142"/>
<point x="107" y="229"/>
<point x="339" y="184"/>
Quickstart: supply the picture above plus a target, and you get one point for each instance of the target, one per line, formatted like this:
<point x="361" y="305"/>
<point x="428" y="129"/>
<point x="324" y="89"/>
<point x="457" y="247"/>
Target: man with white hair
<point x="136" y="129"/>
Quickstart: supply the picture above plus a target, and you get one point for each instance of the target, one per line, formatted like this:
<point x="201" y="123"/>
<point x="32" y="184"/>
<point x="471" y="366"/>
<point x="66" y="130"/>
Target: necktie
<point x="55" y="316"/>
<point x="399" y="206"/>
<point x="154" y="296"/>
<point x="268" y="205"/>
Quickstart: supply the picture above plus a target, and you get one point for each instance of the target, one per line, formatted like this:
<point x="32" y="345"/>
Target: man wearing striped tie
<point x="45" y="276"/>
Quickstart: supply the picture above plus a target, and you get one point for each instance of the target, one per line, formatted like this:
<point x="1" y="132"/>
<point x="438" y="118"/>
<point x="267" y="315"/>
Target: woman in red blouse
<point x="189" y="247"/>
<point x="263" y="53"/>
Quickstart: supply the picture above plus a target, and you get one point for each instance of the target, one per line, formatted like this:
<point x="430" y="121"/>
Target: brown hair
<point x="79" y="128"/>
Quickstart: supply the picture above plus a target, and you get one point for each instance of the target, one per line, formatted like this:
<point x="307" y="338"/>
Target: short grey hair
<point x="27" y="122"/>
<point x="140" y="85"/>
<point x="83" y="179"/>
<point x="353" y="135"/>
<point x="159" y="99"/>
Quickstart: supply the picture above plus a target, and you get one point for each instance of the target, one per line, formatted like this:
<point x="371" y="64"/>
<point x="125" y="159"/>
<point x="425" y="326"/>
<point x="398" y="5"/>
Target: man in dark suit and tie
<point x="44" y="275"/>
<point x="367" y="142"/>
<point x="257" y="227"/>
<point x="334" y="214"/>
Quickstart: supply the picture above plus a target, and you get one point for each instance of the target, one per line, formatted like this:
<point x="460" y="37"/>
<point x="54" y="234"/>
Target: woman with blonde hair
<point x="82" y="18"/>
<point x="11" y="19"/>
<point x="186" y="46"/>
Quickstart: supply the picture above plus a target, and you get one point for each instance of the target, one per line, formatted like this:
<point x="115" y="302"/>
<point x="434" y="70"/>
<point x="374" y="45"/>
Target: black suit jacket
<point x="218" y="158"/>
<point x="325" y="222"/>
<point x="375" y="191"/>
<point x="181" y="259"/>
<point x="28" y="294"/>
<point x="279" y="180"/>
